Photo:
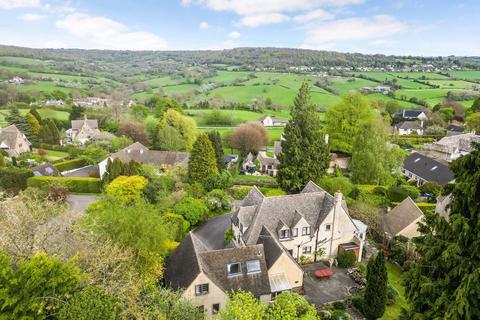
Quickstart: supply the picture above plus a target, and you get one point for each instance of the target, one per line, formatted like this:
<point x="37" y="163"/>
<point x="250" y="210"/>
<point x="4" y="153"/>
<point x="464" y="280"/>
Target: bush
<point x="74" y="184"/>
<point x="57" y="194"/>
<point x="239" y="192"/>
<point x="392" y="295"/>
<point x="346" y="259"/>
<point x="193" y="210"/>
<point x="70" y="164"/>
<point x="431" y="187"/>
<point x="218" y="201"/>
<point x="334" y="184"/>
<point x="126" y="189"/>
<point x="357" y="302"/>
<point x="380" y="191"/>
<point x="14" y="179"/>
<point x="399" y="193"/>
<point x="339" y="305"/>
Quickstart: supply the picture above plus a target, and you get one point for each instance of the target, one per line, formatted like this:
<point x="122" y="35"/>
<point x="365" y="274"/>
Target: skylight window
<point x="416" y="160"/>
<point x="434" y="168"/>
<point x="253" y="266"/>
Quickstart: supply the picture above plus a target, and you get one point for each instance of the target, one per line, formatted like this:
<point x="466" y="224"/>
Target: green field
<point x="419" y="75"/>
<point x="386" y="76"/>
<point x="274" y="134"/>
<point x="431" y="96"/>
<point x="469" y="75"/>
<point x="453" y="84"/>
<point x="44" y="113"/>
<point x="345" y="85"/>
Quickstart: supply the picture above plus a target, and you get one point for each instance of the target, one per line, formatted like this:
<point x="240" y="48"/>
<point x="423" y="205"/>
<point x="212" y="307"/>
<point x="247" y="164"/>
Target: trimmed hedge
<point x="74" y="184"/>
<point x="70" y="164"/>
<point x="14" y="179"/>
<point x="256" y="182"/>
<point x="47" y="146"/>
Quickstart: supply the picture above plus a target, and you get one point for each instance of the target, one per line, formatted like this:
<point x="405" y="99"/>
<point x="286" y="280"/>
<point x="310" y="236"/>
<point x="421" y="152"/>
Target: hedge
<point x="14" y="179"/>
<point x="70" y="164"/>
<point x="47" y="146"/>
<point x="74" y="184"/>
<point x="256" y="182"/>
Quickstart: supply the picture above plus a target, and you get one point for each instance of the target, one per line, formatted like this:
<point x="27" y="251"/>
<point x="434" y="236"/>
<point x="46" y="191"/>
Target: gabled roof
<point x="9" y="136"/>
<point x="409" y="113"/>
<point x="78" y="124"/>
<point x="139" y="153"/>
<point x="428" y="168"/>
<point x="314" y="207"/>
<point x="409" y="125"/>
<point x="403" y="215"/>
<point x="46" y="169"/>
<point x="254" y="197"/>
<point x="266" y="160"/>
<point x="312" y="187"/>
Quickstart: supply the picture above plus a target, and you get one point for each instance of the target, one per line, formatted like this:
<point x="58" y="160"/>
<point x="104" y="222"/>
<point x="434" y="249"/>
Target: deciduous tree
<point x="249" y="137"/>
<point x="133" y="130"/>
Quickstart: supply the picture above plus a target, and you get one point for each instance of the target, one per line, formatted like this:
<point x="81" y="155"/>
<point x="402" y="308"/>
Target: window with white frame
<point x="234" y="269"/>
<point x="305" y="231"/>
<point x="253" y="266"/>
<point x="307" y="249"/>
<point x="295" y="232"/>
<point x="284" y="234"/>
<point x="201" y="289"/>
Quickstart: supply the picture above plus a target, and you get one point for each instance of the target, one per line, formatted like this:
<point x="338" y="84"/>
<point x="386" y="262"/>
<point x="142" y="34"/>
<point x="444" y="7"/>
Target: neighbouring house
<point x="377" y="89"/>
<point x="441" y="208"/>
<point x="13" y="141"/>
<point x="270" y="121"/>
<point x="408" y="127"/>
<point x="266" y="164"/>
<point x="54" y="102"/>
<point x="16" y="80"/>
<point x="260" y="258"/>
<point x="452" y="147"/>
<point x="410" y="114"/>
<point x="46" y="169"/>
<point x="453" y="130"/>
<point x="402" y="220"/>
<point x="82" y="130"/>
<point x="340" y="162"/>
<point x="91" y="102"/>
<point x="425" y="169"/>
<point x="141" y="154"/>
<point x="230" y="160"/>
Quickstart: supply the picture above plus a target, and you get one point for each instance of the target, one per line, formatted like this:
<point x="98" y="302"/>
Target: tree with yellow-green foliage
<point x="34" y="126"/>
<point x="127" y="189"/>
<point x="184" y="125"/>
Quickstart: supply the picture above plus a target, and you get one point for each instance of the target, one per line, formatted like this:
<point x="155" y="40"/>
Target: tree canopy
<point x="305" y="155"/>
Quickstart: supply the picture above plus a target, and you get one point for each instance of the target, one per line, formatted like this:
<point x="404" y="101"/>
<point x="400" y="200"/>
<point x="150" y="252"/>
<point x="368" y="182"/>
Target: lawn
<point x="274" y="134"/>
<point x="419" y="75"/>
<point x="345" y="85"/>
<point x="395" y="277"/>
<point x="44" y="113"/>
<point x="468" y="75"/>
<point x="53" y="155"/>
<point x="453" y="84"/>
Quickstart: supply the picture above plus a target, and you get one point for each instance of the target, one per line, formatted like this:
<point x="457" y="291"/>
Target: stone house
<point x="408" y="127"/>
<point x="425" y="169"/>
<point x="402" y="220"/>
<point x="82" y="131"/>
<point x="13" y="141"/>
<point x="270" y="121"/>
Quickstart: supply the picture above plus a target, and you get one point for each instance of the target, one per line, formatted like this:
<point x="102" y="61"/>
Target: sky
<point x="401" y="27"/>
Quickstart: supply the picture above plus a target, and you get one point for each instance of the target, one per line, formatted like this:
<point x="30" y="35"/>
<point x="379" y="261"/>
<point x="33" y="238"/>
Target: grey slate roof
<point x="9" y="136"/>
<point x="78" y="124"/>
<point x="139" y="153"/>
<point x="409" y="113"/>
<point x="211" y="234"/>
<point x="428" y="168"/>
<point x="404" y="214"/>
<point x="313" y="206"/>
<point x="453" y="128"/>
<point x="214" y="264"/>
<point x="46" y="169"/>
<point x="409" y="125"/>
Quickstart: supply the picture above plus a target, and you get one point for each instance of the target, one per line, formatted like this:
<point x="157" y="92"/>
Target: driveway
<point x="78" y="203"/>
<point x="84" y="172"/>
<point x="321" y="291"/>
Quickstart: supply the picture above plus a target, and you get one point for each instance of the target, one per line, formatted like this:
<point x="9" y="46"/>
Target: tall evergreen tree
<point x="55" y="139"/>
<point x="202" y="163"/>
<point x="37" y="116"/>
<point x="375" y="297"/>
<point x="305" y="155"/>
<point x="216" y="141"/>
<point x="20" y="122"/>
<point x="445" y="282"/>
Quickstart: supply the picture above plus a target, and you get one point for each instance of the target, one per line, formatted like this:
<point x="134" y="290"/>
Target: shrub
<point x="334" y="184"/>
<point x="14" y="179"/>
<point x="74" y="184"/>
<point x="218" y="181"/>
<point x="346" y="259"/>
<point x="431" y="187"/>
<point x="339" y="305"/>
<point x="239" y="192"/>
<point x="127" y="189"/>
<point x="397" y="194"/>
<point x="392" y="295"/>
<point x="412" y="191"/>
<point x="193" y="210"/>
<point x="57" y="194"/>
<point x="70" y="165"/>
<point x="218" y="201"/>
<point x="357" y="302"/>
<point x="380" y="191"/>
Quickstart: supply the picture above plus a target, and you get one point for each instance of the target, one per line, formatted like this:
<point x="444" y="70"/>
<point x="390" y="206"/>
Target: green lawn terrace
<point x="44" y="113"/>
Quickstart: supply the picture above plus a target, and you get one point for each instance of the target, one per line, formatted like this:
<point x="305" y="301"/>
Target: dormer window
<point x="253" y="266"/>
<point x="234" y="269"/>
<point x="284" y="234"/>
<point x="305" y="231"/>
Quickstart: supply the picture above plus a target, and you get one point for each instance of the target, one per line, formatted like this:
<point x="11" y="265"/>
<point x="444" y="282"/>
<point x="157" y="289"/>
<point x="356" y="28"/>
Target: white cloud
<point x="203" y="25"/>
<point x="104" y="33"/>
<point x="354" y="29"/>
<point x="18" y="4"/>
<point x="262" y="19"/>
<point x="234" y="35"/>
<point x="253" y="7"/>
<point x="315" y="15"/>
<point x="32" y="17"/>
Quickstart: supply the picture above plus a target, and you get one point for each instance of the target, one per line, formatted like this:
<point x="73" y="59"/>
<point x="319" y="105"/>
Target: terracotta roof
<point x="404" y="214"/>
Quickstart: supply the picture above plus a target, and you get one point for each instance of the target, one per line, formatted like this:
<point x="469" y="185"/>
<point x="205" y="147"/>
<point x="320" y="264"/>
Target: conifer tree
<point x="202" y="163"/>
<point x="305" y="155"/>
<point x="216" y="141"/>
<point x="445" y="282"/>
<point x="34" y="126"/>
<point x="20" y="122"/>
<point x="375" y="298"/>
<point x="35" y="113"/>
